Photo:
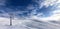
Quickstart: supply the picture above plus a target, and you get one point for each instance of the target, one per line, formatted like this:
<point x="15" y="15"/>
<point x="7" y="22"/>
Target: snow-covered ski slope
<point x="29" y="24"/>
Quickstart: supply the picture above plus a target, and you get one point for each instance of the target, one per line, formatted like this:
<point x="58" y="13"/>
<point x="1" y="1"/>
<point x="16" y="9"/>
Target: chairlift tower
<point x="11" y="18"/>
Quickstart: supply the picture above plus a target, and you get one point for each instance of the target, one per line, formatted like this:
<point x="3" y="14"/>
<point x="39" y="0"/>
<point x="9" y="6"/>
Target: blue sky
<point x="22" y="4"/>
<point x="28" y="8"/>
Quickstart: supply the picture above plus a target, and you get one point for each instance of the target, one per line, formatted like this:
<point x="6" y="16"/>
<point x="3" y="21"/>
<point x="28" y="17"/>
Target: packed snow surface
<point x="29" y="24"/>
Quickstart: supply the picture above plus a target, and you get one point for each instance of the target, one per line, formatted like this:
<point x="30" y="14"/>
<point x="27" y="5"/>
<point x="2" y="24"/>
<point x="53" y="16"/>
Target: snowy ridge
<point x="29" y="24"/>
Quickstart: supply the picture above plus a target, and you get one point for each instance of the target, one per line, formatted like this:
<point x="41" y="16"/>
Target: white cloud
<point x="55" y="16"/>
<point x="48" y="3"/>
<point x="40" y="16"/>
